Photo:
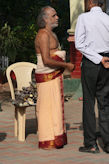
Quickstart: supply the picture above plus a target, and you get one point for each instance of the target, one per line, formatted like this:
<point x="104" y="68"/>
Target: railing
<point x="4" y="62"/>
<point x="107" y="7"/>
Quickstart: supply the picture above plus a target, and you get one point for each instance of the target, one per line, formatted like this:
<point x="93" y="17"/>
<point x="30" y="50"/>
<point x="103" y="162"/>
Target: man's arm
<point x="85" y="50"/>
<point x="80" y="35"/>
<point x="44" y="45"/>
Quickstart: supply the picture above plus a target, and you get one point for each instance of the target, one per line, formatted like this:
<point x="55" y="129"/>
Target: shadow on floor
<point x="31" y="126"/>
<point x="76" y="126"/>
<point x="2" y="136"/>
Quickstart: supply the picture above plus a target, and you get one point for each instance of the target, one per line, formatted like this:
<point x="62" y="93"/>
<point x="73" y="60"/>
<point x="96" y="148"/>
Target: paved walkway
<point x="14" y="152"/>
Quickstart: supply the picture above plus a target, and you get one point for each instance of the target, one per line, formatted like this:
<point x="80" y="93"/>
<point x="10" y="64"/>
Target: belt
<point x="104" y="54"/>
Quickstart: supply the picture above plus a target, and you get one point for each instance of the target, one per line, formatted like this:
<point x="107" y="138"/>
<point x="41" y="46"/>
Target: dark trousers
<point x="95" y="85"/>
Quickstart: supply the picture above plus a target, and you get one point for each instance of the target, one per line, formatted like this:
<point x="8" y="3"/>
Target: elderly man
<point x="50" y="66"/>
<point x="92" y="40"/>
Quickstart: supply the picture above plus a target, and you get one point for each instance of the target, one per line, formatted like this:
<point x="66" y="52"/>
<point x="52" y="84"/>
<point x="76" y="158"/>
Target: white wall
<point x="76" y="8"/>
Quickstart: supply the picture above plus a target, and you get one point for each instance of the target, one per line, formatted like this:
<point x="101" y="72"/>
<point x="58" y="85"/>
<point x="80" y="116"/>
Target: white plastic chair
<point x="23" y="73"/>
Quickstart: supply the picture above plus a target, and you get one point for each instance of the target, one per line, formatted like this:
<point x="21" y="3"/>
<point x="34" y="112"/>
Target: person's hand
<point x="105" y="62"/>
<point x="70" y="67"/>
<point x="71" y="38"/>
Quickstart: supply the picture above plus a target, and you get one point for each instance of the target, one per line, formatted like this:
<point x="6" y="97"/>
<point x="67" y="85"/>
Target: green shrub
<point x="9" y="43"/>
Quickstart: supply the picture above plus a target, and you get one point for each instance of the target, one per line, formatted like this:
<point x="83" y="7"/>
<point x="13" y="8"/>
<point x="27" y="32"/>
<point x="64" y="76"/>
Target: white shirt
<point x="92" y="34"/>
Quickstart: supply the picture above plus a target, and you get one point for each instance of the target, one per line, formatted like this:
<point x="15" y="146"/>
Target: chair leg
<point x="21" y="124"/>
<point x="16" y="122"/>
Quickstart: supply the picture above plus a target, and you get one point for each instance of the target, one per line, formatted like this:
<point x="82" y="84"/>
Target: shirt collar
<point x="96" y="8"/>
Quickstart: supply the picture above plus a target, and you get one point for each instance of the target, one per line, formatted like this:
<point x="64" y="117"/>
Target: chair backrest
<point x="23" y="73"/>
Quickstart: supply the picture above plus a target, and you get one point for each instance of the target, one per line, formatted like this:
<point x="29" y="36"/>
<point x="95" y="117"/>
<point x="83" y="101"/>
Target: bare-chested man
<point x="50" y="66"/>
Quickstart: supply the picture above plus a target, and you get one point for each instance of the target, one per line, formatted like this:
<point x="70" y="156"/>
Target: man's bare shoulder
<point x="42" y="36"/>
<point x="42" y="33"/>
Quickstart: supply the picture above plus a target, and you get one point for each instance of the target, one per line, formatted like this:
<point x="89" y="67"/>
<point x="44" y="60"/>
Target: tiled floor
<point x="14" y="152"/>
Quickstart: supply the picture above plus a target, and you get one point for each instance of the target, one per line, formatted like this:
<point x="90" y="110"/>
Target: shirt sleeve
<point x="80" y="35"/>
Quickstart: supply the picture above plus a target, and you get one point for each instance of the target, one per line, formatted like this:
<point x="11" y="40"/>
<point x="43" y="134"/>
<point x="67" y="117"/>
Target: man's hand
<point x="71" y="38"/>
<point x="70" y="67"/>
<point x="105" y="62"/>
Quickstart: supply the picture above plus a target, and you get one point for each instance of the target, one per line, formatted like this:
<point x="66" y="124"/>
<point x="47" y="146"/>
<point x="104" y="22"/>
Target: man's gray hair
<point x="98" y="2"/>
<point x="43" y="14"/>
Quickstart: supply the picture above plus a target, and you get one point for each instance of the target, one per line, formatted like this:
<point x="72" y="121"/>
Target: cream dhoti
<point x="50" y="106"/>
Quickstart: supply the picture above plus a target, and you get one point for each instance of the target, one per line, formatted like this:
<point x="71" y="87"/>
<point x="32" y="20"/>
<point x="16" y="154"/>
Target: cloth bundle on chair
<point x="23" y="74"/>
